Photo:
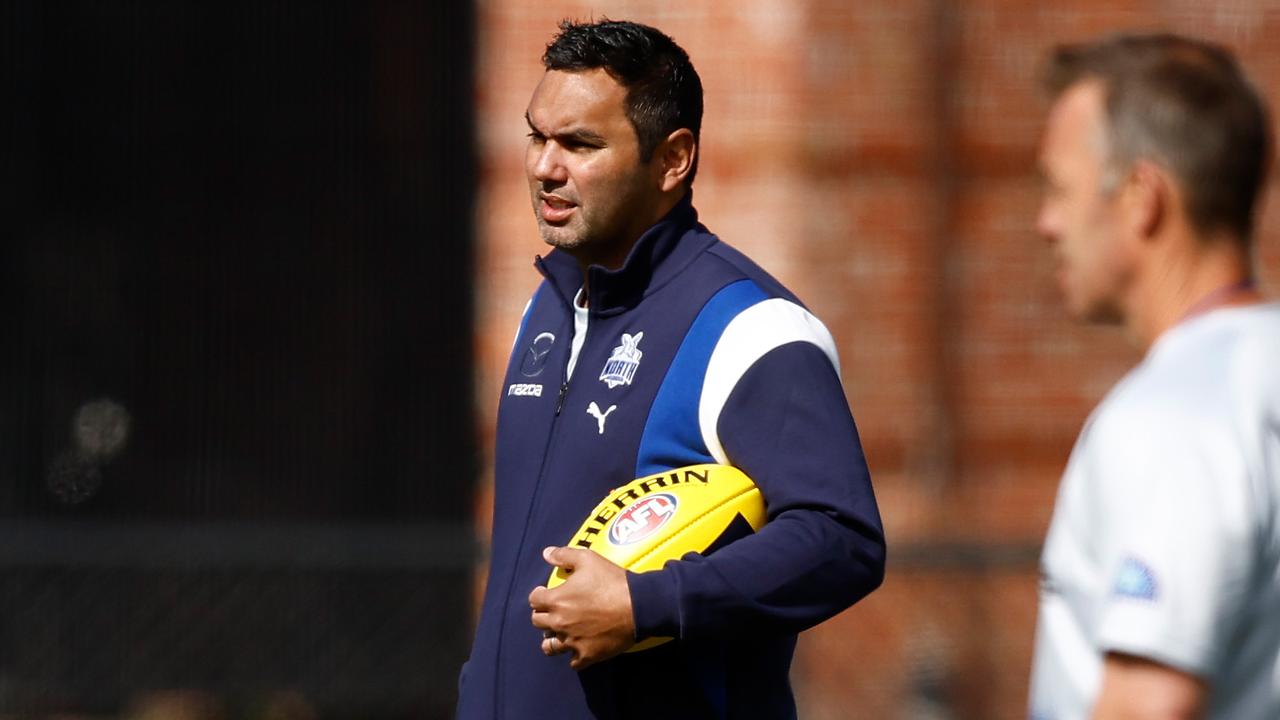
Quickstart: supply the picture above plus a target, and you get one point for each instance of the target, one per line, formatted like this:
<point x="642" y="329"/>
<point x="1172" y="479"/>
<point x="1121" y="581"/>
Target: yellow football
<point x="653" y="519"/>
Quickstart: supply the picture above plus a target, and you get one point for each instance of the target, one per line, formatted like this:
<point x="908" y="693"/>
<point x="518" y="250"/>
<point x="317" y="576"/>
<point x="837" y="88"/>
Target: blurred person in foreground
<point x="1160" y="595"/>
<point x="652" y="345"/>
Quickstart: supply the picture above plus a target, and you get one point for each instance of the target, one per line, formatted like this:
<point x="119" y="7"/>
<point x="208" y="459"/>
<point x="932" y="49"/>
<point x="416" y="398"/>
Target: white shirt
<point x="580" y="318"/>
<point x="1165" y="540"/>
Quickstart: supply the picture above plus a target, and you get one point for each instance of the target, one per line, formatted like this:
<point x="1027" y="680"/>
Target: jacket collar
<point x="661" y="252"/>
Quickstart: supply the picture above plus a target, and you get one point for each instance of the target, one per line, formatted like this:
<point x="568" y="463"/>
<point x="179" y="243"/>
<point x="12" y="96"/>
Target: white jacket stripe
<point x="751" y="335"/>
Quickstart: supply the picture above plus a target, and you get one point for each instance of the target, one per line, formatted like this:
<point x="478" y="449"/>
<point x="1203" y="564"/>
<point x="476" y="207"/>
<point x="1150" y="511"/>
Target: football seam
<point x="656" y="548"/>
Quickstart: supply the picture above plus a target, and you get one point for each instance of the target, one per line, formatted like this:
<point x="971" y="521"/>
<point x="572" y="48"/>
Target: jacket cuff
<point x="655" y="608"/>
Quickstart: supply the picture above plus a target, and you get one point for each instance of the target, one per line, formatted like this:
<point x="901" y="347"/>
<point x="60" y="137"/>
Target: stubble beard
<point x="564" y="237"/>
<point x="1104" y="311"/>
<point x="1097" y="305"/>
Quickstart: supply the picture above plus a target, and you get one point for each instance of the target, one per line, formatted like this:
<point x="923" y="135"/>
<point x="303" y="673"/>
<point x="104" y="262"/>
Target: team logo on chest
<point x="621" y="366"/>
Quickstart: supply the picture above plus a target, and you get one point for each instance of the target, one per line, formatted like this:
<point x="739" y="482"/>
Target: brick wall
<point x="878" y="157"/>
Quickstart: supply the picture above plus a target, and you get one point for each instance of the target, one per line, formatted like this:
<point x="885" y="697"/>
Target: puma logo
<point x="594" y="411"/>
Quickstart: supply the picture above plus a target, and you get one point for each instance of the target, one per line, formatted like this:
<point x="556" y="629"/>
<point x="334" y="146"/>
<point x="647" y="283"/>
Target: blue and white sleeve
<point x="772" y="405"/>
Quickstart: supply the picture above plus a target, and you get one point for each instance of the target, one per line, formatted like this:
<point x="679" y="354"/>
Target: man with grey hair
<point x="1161" y="573"/>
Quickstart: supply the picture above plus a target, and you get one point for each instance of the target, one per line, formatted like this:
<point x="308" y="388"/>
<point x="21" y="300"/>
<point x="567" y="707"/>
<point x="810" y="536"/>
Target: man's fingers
<point x="567" y="557"/>
<point x="584" y="654"/>
<point x="589" y="616"/>
<point x="554" y="646"/>
<point x="561" y="557"/>
<point x="538" y="598"/>
<point x="581" y="660"/>
<point x="542" y="620"/>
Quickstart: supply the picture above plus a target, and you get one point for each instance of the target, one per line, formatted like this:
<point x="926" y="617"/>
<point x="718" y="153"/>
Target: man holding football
<point x="651" y="346"/>
<point x="1161" y="574"/>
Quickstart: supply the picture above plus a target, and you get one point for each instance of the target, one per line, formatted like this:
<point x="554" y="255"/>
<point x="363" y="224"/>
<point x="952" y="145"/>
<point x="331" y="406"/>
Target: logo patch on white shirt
<point x="1135" y="580"/>
<point x="621" y="366"/>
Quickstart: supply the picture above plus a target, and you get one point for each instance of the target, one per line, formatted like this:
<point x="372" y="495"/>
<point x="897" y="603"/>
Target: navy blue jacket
<point x="719" y="363"/>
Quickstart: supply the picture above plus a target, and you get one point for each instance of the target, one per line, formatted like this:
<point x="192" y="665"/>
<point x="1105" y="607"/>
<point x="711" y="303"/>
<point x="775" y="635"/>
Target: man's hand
<point x="589" y="614"/>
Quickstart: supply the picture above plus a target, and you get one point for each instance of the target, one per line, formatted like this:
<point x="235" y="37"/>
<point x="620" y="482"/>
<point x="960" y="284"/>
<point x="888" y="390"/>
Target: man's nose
<point x="548" y="166"/>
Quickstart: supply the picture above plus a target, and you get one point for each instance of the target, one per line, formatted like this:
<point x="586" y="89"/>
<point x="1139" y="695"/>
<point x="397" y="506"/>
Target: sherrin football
<point x="653" y="519"/>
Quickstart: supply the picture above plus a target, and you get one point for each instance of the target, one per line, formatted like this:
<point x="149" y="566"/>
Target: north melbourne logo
<point x="621" y="366"/>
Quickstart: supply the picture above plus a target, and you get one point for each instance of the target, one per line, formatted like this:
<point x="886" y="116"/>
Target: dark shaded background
<point x="246" y="229"/>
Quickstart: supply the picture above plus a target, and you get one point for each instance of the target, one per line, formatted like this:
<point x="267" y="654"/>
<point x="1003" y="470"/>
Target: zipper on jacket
<point x="564" y="390"/>
<point x="499" y="696"/>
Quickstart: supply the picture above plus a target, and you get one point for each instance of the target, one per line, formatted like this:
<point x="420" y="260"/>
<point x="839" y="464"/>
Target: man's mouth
<point x="555" y="209"/>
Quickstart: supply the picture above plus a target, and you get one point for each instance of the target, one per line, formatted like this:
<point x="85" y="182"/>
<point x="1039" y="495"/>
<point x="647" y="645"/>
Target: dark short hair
<point x="664" y="92"/>
<point x="1186" y="105"/>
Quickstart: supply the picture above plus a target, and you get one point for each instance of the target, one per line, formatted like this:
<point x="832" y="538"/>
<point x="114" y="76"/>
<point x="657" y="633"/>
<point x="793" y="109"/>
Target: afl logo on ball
<point x="642" y="519"/>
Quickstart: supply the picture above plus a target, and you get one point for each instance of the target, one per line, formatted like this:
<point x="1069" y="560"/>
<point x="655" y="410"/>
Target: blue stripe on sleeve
<point x="672" y="437"/>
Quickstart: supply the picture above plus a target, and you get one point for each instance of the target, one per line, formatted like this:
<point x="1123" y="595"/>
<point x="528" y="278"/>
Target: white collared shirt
<point x="1165" y="540"/>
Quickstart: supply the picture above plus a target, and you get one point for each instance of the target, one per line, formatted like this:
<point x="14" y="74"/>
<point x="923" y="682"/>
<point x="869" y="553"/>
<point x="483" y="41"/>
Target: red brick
<point x="879" y="159"/>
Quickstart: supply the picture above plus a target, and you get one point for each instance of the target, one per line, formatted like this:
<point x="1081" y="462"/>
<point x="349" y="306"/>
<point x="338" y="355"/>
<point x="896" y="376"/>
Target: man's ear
<point x="1148" y="197"/>
<point x="675" y="156"/>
